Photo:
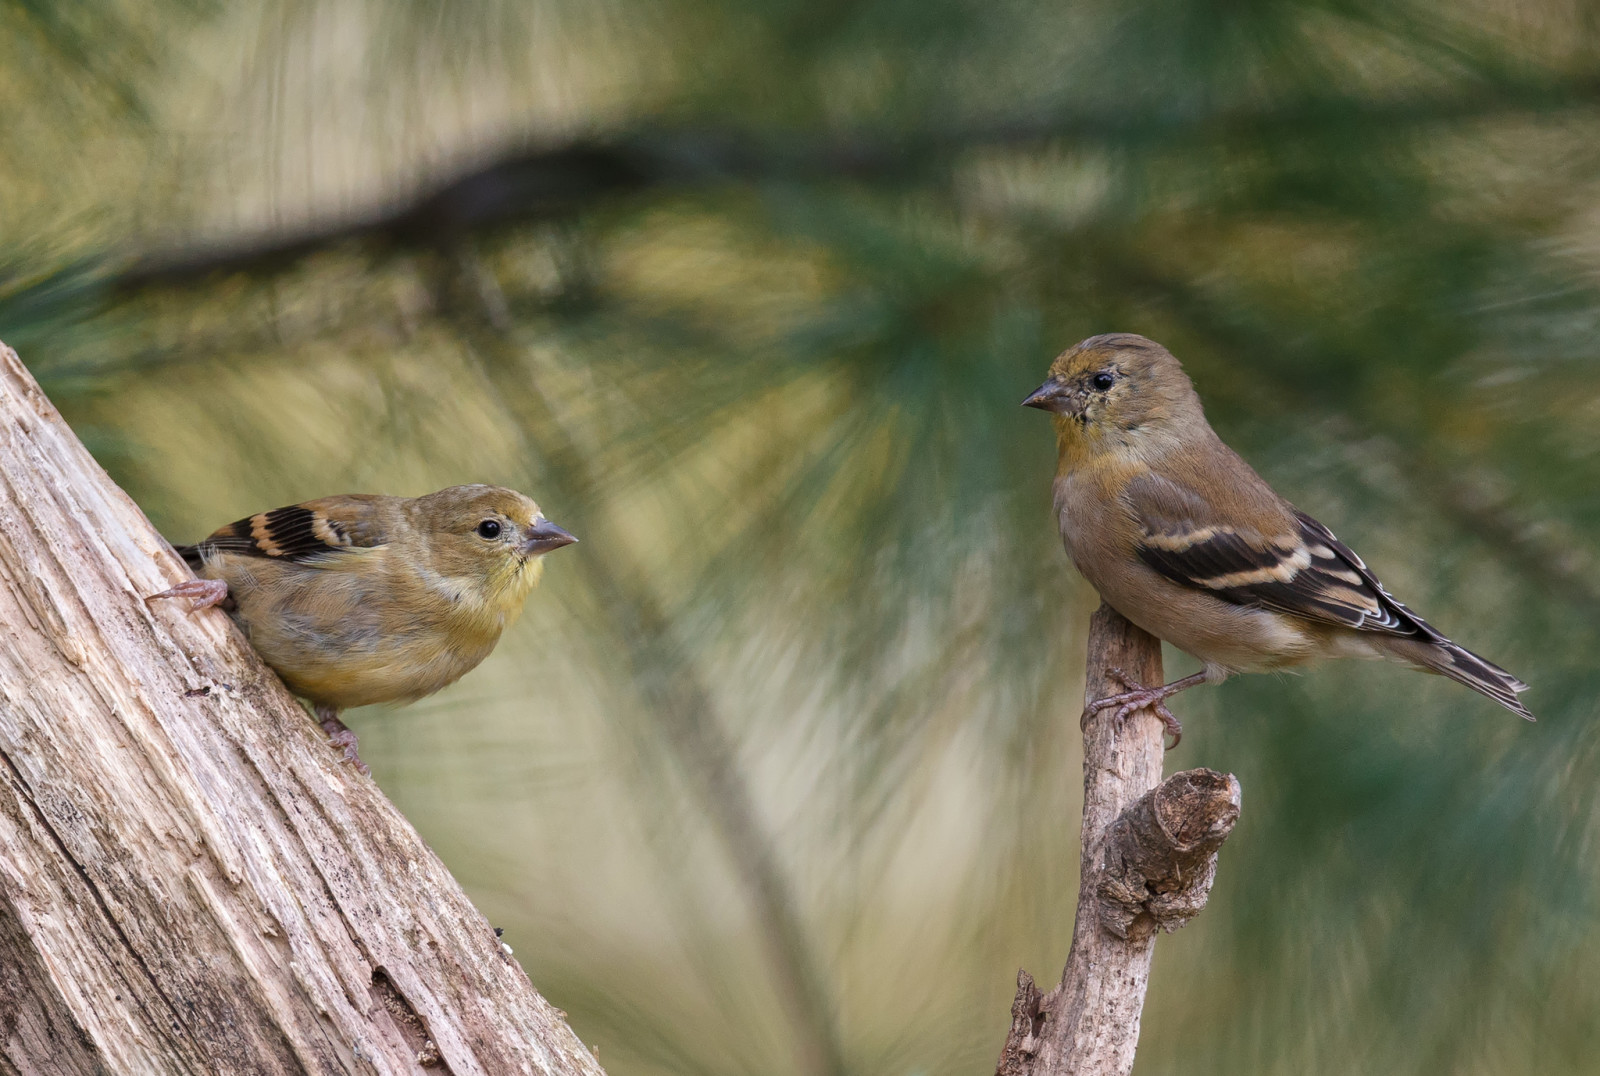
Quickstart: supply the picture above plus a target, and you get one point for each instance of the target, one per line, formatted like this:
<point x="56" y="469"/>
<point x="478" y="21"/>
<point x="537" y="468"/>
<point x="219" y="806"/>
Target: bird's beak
<point x="544" y="536"/>
<point x="1053" y="396"/>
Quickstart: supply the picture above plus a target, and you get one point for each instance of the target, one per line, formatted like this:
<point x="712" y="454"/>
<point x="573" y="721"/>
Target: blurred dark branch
<point x="682" y="707"/>
<point x="557" y="182"/>
<point x="1149" y="855"/>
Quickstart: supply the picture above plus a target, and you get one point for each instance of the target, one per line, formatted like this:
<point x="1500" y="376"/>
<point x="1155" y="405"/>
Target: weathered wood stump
<point x="190" y="881"/>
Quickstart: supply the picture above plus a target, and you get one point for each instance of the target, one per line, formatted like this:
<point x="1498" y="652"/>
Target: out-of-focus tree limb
<point x="1148" y="858"/>
<point x="190" y="881"/>
<point x="559" y="181"/>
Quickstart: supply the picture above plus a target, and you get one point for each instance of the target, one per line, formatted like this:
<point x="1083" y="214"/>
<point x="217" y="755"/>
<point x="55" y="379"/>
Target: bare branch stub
<point x="1161" y="854"/>
<point x="1148" y="860"/>
<point x="1016" y="1059"/>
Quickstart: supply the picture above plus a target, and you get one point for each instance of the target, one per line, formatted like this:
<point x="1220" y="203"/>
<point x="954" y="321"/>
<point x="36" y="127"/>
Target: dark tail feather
<point x="1465" y="667"/>
<point x="190" y="555"/>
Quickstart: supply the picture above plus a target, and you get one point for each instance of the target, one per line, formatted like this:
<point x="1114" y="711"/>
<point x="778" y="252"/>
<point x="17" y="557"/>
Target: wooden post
<point x="190" y="881"/>
<point x="1149" y="856"/>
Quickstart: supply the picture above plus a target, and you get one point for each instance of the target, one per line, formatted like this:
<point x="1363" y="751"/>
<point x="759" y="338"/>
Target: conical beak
<point x="544" y="536"/>
<point x="1050" y="396"/>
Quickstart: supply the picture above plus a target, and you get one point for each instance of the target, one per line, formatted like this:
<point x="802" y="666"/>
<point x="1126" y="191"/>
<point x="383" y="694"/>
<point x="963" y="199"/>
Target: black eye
<point x="489" y="528"/>
<point x="1102" y="380"/>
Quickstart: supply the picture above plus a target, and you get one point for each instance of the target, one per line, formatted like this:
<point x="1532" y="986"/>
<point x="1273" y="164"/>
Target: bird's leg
<point x="202" y="593"/>
<point x="339" y="735"/>
<point x="1139" y="697"/>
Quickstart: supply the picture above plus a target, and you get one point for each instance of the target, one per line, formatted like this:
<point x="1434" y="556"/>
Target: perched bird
<point x="1182" y="537"/>
<point x="364" y="598"/>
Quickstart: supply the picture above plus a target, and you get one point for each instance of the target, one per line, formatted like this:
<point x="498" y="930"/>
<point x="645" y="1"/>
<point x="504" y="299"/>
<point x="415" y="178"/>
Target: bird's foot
<point x="340" y="735"/>
<point x="1138" y="697"/>
<point x="202" y="593"/>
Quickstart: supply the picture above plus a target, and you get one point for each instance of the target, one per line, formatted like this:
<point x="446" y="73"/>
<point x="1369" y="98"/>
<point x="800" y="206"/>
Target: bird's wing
<point x="1299" y="567"/>
<point x="298" y="532"/>
<point x="1295" y="565"/>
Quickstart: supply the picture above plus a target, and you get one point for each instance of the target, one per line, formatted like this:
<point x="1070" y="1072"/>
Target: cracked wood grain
<point x="189" y="880"/>
<point x="1148" y="859"/>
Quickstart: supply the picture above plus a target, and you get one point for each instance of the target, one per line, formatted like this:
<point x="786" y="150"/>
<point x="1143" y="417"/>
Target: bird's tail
<point x="1464" y="667"/>
<point x="191" y="555"/>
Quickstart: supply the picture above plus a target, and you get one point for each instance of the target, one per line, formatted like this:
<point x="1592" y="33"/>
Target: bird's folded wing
<point x="299" y="532"/>
<point x="1295" y="566"/>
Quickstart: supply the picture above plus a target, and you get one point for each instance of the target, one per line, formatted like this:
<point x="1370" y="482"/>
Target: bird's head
<point x="1116" y="390"/>
<point x="486" y="538"/>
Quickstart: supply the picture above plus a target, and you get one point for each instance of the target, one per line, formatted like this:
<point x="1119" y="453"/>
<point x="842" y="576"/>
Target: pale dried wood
<point x="190" y="881"/>
<point x="1148" y="859"/>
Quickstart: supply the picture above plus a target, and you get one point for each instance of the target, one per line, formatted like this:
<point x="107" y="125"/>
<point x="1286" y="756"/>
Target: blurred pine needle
<point x="783" y="777"/>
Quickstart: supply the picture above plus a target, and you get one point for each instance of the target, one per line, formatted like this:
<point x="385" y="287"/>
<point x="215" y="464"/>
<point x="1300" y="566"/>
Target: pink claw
<point x="340" y="735"/>
<point x="202" y="593"/>
<point x="1138" y="697"/>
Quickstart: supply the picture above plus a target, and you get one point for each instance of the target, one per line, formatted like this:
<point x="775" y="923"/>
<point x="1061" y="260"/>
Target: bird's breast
<point x="348" y="639"/>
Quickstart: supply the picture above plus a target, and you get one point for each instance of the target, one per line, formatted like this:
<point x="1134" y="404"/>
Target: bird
<point x="365" y="598"/>
<point x="1183" y="538"/>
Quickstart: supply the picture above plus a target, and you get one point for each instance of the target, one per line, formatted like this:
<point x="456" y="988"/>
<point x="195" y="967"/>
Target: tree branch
<point x="561" y="181"/>
<point x="191" y="882"/>
<point x="1149" y="855"/>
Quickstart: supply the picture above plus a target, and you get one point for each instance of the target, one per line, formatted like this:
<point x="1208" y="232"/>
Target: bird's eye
<point x="1102" y="380"/>
<point x="489" y="528"/>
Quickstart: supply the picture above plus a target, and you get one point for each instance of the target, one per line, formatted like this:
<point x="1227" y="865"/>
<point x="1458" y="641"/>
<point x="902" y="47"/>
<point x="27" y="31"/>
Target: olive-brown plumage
<point x="1184" y="539"/>
<point x="363" y="598"/>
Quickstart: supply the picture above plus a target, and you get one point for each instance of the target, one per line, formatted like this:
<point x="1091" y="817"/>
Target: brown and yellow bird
<point x="363" y="598"/>
<point x="1182" y="537"/>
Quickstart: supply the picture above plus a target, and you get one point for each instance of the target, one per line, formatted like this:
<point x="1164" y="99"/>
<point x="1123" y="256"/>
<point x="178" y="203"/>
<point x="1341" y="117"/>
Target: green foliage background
<point x="780" y="774"/>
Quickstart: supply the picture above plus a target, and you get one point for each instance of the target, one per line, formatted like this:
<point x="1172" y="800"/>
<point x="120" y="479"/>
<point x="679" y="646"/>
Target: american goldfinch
<point x="363" y="598"/>
<point x="1182" y="537"/>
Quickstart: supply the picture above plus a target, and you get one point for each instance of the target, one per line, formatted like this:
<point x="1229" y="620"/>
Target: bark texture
<point x="190" y="882"/>
<point x="1161" y="854"/>
<point x="1148" y="859"/>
